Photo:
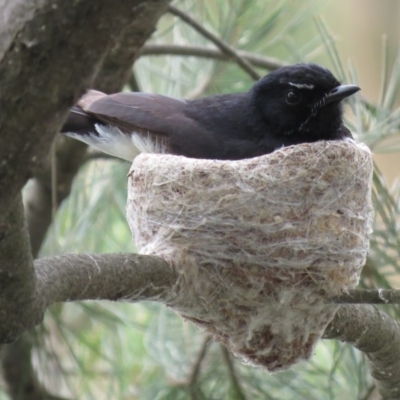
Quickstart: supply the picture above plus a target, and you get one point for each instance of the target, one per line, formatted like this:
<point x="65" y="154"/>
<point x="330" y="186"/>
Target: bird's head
<point x="302" y="101"/>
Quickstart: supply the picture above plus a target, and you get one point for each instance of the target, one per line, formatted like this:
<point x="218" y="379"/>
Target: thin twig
<point x="239" y="392"/>
<point x="133" y="82"/>
<point x="225" y="47"/>
<point x="54" y="199"/>
<point x="153" y="49"/>
<point x="384" y="70"/>
<point x="196" y="366"/>
<point x="367" y="296"/>
<point x="201" y="88"/>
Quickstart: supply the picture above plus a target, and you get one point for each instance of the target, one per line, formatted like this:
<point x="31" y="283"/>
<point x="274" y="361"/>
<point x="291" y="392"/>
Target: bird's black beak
<point x="340" y="93"/>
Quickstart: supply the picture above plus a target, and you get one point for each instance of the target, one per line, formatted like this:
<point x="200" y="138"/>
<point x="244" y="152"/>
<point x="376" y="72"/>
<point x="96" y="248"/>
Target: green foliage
<point x="122" y="351"/>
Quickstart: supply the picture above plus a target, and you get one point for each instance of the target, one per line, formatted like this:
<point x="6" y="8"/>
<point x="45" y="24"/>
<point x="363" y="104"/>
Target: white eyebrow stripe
<point x="302" y="85"/>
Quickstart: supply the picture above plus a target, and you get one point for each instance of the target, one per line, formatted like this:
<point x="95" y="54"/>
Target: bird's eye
<point x="293" y="97"/>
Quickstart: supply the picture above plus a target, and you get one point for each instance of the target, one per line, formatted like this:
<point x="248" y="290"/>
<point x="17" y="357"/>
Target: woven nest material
<point x="259" y="243"/>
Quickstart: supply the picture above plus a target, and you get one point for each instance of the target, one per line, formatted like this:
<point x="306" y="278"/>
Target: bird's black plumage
<point x="294" y="104"/>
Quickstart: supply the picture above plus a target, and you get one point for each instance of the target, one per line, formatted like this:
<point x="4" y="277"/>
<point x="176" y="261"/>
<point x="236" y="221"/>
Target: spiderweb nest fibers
<point x="258" y="243"/>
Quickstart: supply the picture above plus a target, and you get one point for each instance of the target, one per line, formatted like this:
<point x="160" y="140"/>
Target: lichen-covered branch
<point x="367" y="296"/>
<point x="17" y="278"/>
<point x="47" y="58"/>
<point x="130" y="277"/>
<point x="377" y="335"/>
<point x="50" y="52"/>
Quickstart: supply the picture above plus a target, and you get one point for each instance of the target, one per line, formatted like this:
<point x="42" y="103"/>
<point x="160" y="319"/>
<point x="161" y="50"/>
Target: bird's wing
<point x="158" y="124"/>
<point x="132" y="111"/>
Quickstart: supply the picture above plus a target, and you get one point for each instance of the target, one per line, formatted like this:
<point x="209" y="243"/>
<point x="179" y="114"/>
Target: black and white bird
<point x="291" y="105"/>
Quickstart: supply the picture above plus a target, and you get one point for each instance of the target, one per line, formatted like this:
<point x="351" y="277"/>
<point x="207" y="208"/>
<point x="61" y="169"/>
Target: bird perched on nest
<point x="291" y="105"/>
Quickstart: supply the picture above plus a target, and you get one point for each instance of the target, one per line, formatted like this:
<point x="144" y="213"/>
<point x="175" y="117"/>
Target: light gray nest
<point x="259" y="243"/>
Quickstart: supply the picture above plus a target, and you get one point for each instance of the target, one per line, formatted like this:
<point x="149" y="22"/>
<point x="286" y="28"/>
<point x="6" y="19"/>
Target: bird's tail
<point x="108" y="139"/>
<point x="79" y="122"/>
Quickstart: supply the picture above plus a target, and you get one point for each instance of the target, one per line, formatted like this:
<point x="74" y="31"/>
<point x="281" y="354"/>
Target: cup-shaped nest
<point x="259" y="244"/>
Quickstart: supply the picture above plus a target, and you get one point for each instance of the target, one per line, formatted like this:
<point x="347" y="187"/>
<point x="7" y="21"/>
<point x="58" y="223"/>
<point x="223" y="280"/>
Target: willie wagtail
<point x="294" y="104"/>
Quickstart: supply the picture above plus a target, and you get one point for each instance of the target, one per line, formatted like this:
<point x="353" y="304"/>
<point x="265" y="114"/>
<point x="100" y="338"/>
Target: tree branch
<point x="40" y="55"/>
<point x="367" y="296"/>
<point x="195" y="371"/>
<point x="236" y="387"/>
<point x="378" y="336"/>
<point x="39" y="40"/>
<point x="152" y="49"/>
<point x="130" y="277"/>
<point x="70" y="155"/>
<point x="73" y="277"/>
<point x="223" y="46"/>
<point x="17" y="278"/>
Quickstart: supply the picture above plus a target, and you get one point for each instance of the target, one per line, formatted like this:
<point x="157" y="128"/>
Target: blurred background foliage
<point x="102" y="350"/>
